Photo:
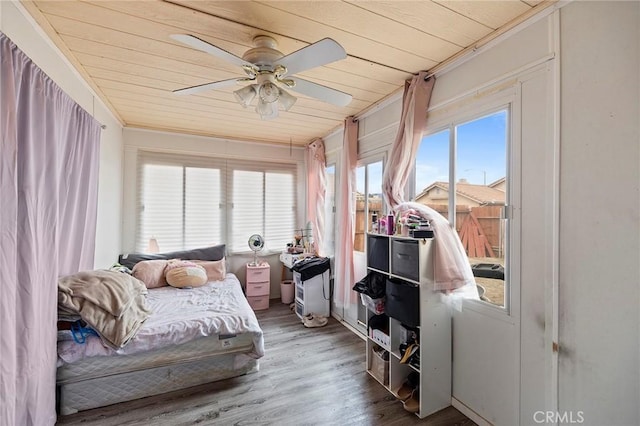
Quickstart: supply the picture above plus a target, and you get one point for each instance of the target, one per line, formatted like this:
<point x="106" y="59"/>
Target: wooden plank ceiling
<point x="124" y="51"/>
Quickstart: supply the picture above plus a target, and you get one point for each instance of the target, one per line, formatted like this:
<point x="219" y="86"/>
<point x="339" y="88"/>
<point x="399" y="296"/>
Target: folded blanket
<point x="112" y="303"/>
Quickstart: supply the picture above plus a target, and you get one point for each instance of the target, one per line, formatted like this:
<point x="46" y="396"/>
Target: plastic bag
<point x="373" y="285"/>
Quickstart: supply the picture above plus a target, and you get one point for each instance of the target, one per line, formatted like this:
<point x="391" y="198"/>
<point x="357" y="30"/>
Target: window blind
<point x="263" y="201"/>
<point x="187" y="202"/>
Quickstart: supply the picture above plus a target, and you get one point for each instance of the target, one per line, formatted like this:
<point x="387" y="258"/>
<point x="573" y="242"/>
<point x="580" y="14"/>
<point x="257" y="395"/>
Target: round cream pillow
<point x="181" y="273"/>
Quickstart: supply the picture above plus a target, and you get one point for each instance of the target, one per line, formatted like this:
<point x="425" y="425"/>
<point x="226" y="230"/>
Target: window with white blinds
<point x="188" y="202"/>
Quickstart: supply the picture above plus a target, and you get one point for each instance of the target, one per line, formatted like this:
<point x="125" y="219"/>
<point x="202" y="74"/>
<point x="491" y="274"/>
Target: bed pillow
<point x="206" y="253"/>
<point x="151" y="272"/>
<point x="216" y="269"/>
<point x="182" y="273"/>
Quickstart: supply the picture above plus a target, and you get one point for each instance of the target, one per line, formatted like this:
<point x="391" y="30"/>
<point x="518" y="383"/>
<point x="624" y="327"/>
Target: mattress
<point x="193" y="336"/>
<point x="179" y="316"/>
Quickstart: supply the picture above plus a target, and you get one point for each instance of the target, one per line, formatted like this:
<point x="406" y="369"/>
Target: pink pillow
<point x="182" y="273"/>
<point x="216" y="269"/>
<point x="151" y="272"/>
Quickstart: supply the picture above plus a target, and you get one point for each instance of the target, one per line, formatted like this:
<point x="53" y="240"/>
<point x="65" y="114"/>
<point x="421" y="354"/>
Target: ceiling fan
<point x="270" y="72"/>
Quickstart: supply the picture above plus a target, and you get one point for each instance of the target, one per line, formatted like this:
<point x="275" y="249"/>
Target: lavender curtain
<point x="415" y="101"/>
<point x="316" y="190"/>
<point x="48" y="185"/>
<point x="345" y="216"/>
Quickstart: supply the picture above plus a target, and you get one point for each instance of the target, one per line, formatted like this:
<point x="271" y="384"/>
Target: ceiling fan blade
<point x="197" y="43"/>
<point x="317" y="54"/>
<point x="207" y="86"/>
<point x="323" y="93"/>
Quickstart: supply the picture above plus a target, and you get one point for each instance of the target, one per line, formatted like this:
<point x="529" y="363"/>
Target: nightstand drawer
<point x="258" y="289"/>
<point x="257" y="274"/>
<point x="258" y="303"/>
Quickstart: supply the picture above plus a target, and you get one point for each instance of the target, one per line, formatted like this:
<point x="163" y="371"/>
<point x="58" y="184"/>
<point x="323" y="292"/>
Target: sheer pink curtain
<point x="316" y="190"/>
<point x="48" y="184"/>
<point x="345" y="215"/>
<point x="452" y="270"/>
<point x="415" y="101"/>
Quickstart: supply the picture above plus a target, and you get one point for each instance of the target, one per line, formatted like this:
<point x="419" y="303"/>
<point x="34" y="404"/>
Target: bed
<point x="193" y="336"/>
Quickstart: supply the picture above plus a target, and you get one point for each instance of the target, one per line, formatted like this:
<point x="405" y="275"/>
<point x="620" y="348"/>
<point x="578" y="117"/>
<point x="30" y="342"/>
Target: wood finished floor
<point x="307" y="377"/>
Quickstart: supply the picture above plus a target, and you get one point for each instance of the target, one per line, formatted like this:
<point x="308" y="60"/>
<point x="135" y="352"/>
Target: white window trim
<point x="364" y="161"/>
<point x="332" y="162"/>
<point x="467" y="109"/>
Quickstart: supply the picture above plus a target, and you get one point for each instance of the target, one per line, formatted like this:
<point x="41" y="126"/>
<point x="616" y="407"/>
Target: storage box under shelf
<point x="379" y="366"/>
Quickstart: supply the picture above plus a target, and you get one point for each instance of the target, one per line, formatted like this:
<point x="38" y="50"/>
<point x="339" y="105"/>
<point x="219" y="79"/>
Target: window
<point x="368" y="200"/>
<point x="329" y="240"/>
<point x="263" y="203"/>
<point x="473" y="198"/>
<point x="187" y="202"/>
<point x="432" y="170"/>
<point x="179" y="207"/>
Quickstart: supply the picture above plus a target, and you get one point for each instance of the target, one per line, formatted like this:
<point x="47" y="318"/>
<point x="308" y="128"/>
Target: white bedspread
<point x="179" y="316"/>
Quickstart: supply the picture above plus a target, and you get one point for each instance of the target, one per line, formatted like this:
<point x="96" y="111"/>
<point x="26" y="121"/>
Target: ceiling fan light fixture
<point x="267" y="110"/>
<point x="246" y="94"/>
<point x="268" y="92"/>
<point x="270" y="70"/>
<point x="286" y="100"/>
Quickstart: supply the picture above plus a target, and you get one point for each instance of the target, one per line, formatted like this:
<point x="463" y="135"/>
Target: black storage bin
<point x="378" y="252"/>
<point x="403" y="302"/>
<point x="405" y="260"/>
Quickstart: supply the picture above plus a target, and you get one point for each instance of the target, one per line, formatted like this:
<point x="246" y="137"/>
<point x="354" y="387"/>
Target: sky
<point x="481" y="155"/>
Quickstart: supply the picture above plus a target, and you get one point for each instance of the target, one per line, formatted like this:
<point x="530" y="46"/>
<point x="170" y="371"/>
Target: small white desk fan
<point x="256" y="243"/>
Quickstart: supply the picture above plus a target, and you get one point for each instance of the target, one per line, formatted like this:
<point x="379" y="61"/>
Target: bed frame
<point x="96" y="381"/>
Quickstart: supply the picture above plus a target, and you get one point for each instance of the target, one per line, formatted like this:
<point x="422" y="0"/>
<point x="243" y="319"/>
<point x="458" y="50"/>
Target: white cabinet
<point x="313" y="294"/>
<point x="412" y="307"/>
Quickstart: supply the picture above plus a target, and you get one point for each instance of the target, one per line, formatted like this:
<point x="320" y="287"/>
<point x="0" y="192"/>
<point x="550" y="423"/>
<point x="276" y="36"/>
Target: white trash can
<point x="287" y="291"/>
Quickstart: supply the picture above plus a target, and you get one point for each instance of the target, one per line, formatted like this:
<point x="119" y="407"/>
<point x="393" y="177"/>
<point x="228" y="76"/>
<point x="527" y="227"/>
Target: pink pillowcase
<point x="151" y="273"/>
<point x="216" y="269"/>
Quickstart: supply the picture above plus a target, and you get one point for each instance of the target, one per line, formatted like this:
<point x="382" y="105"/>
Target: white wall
<point x="599" y="296"/>
<point x="137" y="139"/>
<point x="22" y="30"/>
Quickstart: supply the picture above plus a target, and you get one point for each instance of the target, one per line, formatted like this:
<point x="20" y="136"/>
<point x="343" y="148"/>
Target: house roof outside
<point x="482" y="194"/>
<point x="497" y="182"/>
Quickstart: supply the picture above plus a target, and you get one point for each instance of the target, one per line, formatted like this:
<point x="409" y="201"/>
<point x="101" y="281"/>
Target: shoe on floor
<point x="412" y="404"/>
<point x="406" y="390"/>
<point x="311" y="321"/>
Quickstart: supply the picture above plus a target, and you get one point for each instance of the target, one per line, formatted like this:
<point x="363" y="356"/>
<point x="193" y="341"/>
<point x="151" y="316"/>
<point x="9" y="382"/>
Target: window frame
<point x="227" y="167"/>
<point x="448" y="117"/>
<point x="333" y="163"/>
<point x="364" y="162"/>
